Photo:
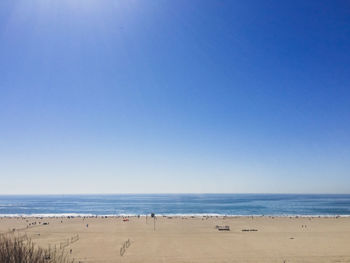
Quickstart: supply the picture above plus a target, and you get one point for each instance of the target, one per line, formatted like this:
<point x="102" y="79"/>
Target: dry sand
<point x="196" y="239"/>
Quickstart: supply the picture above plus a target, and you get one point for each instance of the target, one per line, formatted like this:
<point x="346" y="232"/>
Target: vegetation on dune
<point x="22" y="250"/>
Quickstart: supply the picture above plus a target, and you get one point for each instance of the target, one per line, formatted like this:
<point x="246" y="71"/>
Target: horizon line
<point x="180" y="193"/>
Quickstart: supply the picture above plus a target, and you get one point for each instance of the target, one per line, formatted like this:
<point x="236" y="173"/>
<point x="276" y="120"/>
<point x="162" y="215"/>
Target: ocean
<point x="176" y="204"/>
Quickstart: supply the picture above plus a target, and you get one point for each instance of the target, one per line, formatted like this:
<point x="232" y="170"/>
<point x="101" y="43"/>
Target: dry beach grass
<point x="21" y="249"/>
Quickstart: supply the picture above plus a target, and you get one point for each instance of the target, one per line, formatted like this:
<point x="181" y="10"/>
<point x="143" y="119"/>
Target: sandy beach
<point x="190" y="239"/>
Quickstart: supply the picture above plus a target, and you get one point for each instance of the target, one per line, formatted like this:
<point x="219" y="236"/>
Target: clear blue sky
<point x="126" y="96"/>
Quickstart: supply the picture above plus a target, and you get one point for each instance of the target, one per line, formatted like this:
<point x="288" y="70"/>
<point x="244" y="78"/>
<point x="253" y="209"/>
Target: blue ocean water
<point x="176" y="204"/>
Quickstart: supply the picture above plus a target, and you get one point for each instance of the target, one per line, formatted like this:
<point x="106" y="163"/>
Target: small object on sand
<point x="223" y="228"/>
<point x="125" y="219"/>
<point x="291" y="238"/>
<point x="249" y="230"/>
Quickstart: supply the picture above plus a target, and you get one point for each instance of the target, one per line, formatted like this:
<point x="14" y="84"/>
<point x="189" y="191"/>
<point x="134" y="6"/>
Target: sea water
<point x="176" y="204"/>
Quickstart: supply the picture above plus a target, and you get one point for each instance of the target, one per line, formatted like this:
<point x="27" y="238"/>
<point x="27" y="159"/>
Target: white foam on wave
<point x="46" y="215"/>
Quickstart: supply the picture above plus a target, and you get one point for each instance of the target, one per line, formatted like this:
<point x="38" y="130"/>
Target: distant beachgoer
<point x="87" y="225"/>
<point x="70" y="251"/>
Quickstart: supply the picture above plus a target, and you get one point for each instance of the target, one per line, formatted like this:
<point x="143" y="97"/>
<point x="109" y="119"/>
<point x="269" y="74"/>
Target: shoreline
<point x="76" y="215"/>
